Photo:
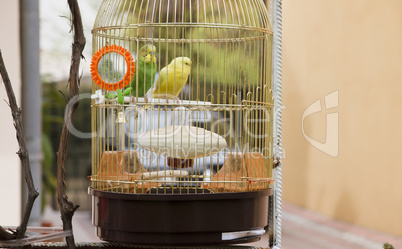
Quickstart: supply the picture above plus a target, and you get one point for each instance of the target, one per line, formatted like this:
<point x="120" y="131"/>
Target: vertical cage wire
<point x="208" y="133"/>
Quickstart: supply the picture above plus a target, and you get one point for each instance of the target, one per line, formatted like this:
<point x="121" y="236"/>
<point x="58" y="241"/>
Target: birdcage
<point x="183" y="117"/>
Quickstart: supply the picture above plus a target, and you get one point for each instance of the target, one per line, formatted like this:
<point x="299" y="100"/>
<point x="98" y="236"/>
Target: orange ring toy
<point x="130" y="67"/>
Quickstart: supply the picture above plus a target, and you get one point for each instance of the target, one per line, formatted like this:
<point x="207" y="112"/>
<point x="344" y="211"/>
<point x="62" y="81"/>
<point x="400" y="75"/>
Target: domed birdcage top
<point x="229" y="41"/>
<point x="122" y="15"/>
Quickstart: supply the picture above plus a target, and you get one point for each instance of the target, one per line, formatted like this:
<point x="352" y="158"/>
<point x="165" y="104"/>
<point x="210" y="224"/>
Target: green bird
<point x="145" y="69"/>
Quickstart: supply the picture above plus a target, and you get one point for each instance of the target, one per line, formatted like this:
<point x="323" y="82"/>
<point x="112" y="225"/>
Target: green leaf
<point x="48" y="153"/>
<point x="111" y="96"/>
<point x="127" y="91"/>
<point x="120" y="96"/>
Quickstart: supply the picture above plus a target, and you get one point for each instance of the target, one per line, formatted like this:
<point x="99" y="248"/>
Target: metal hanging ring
<point x="130" y="67"/>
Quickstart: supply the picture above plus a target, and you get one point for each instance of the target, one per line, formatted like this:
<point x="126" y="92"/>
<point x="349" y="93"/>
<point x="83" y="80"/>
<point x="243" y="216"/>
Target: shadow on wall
<point x="299" y="167"/>
<point x="345" y="207"/>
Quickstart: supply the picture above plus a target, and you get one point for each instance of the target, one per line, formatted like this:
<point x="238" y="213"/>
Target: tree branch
<point x="4" y="235"/>
<point x="67" y="208"/>
<point x="22" y="153"/>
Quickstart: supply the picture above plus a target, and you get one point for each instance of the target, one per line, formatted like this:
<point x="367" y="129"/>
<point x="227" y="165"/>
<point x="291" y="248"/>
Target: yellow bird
<point x="172" y="79"/>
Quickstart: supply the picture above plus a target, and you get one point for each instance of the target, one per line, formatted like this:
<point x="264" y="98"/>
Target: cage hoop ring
<point x="130" y="67"/>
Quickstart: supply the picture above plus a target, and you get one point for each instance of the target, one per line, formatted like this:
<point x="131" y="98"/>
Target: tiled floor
<point x="302" y="229"/>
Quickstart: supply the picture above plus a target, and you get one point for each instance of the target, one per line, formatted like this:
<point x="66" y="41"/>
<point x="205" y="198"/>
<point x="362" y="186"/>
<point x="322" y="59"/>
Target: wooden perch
<point x="22" y="153"/>
<point x="67" y="208"/>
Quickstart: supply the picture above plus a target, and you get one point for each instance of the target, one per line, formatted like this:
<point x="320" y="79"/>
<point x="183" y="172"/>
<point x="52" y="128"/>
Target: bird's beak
<point x="151" y="56"/>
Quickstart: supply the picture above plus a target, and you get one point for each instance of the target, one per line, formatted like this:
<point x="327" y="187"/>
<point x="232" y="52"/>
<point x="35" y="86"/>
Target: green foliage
<point x="78" y="160"/>
<point x="226" y="63"/>
<point x="53" y="103"/>
<point x="49" y="182"/>
<point x="388" y="246"/>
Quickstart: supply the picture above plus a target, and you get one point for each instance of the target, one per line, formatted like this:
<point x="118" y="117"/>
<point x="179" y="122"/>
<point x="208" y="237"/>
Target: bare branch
<point x="4" y="235"/>
<point x="67" y="208"/>
<point x="22" y="153"/>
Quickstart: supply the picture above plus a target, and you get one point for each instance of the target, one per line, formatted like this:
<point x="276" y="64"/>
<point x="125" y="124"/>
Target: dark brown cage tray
<point x="180" y="219"/>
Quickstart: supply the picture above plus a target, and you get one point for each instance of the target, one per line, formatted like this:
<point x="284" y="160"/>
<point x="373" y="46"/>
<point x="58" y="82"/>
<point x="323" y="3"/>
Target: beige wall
<point x="10" y="188"/>
<point x="355" y="48"/>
